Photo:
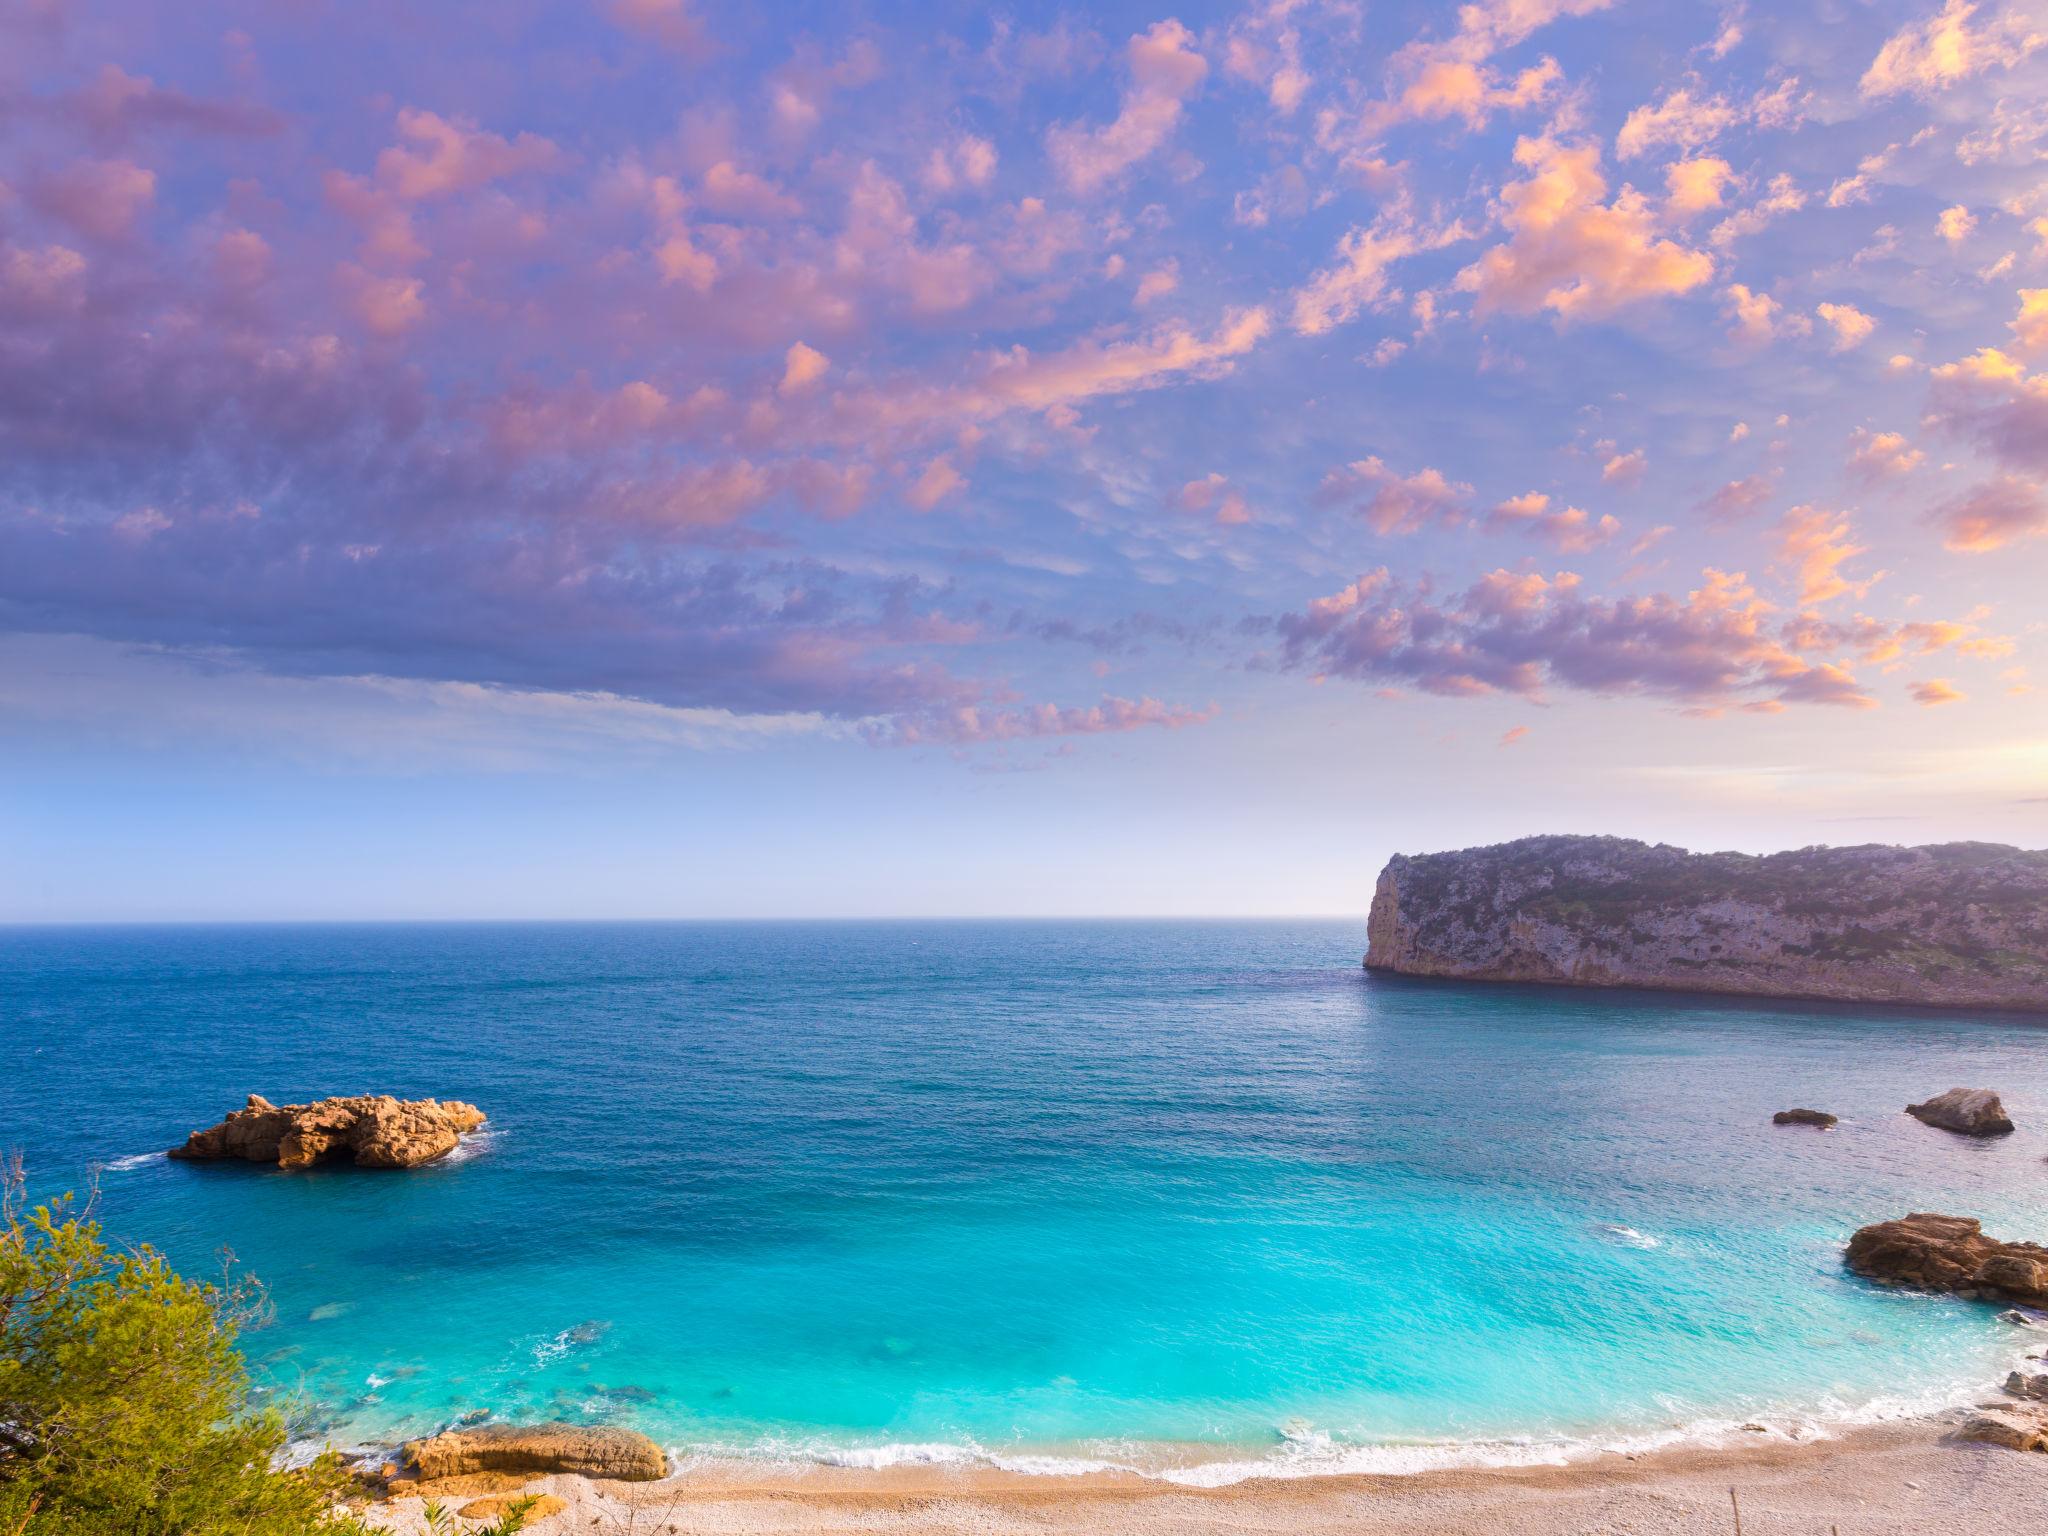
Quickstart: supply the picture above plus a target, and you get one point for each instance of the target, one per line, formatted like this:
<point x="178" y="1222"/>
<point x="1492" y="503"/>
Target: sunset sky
<point x="651" y="457"/>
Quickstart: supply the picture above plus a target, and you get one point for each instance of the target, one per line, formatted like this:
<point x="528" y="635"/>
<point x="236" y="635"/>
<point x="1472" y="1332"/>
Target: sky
<point x="655" y="458"/>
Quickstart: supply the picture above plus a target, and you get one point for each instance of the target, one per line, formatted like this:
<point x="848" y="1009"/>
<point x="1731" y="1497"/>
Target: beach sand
<point x="1896" y="1478"/>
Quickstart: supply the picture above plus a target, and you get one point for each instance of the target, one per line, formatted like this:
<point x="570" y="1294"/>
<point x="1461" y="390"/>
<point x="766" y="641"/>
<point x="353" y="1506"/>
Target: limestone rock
<point x="2019" y="1384"/>
<point x="1814" y="1117"/>
<point x="2014" y="1428"/>
<point x="1954" y="925"/>
<point x="1966" y="1111"/>
<point x="372" y="1130"/>
<point x="591" y="1451"/>
<point x="1950" y="1254"/>
<point x="539" y="1506"/>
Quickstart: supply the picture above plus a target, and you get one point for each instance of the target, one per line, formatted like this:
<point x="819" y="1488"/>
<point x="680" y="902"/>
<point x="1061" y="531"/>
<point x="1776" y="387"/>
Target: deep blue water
<point x="1101" y="1188"/>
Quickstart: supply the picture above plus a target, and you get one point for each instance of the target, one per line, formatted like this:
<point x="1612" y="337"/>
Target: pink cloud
<point x="1936" y="690"/>
<point x="672" y="23"/>
<point x="1518" y="633"/>
<point x="1999" y="512"/>
<point x="442" y="156"/>
<point x="1214" y="493"/>
<point x="971" y="724"/>
<point x="1929" y="56"/>
<point x="1392" y="503"/>
<point x="1571" y="252"/>
<point x="1814" y="545"/>
<point x="1572" y="530"/>
<point x="101" y="198"/>
<point x="1875" y="456"/>
<point x="1165" y="71"/>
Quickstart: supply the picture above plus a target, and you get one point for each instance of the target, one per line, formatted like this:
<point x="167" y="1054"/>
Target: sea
<point x="1204" y="1200"/>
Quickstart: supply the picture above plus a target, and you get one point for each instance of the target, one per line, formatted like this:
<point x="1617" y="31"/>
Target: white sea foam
<point x="1629" y="1237"/>
<point x="132" y="1162"/>
<point x="1307" y="1450"/>
<point x="473" y="1145"/>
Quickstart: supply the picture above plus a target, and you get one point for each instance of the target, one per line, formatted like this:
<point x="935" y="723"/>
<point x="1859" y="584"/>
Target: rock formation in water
<point x="1957" y="925"/>
<point x="1950" y="1254"/>
<point x="1814" y="1117"/>
<point x="602" y="1451"/>
<point x="1966" y="1111"/>
<point x="372" y="1131"/>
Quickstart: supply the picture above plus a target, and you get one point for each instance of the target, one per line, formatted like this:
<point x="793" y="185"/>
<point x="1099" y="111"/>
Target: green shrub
<point x="124" y="1405"/>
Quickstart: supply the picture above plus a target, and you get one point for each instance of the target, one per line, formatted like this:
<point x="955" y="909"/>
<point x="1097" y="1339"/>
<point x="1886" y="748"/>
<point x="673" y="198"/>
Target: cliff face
<point x="1957" y="924"/>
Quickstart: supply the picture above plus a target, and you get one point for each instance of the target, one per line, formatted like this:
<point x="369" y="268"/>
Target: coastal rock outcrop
<point x="2013" y="1428"/>
<point x="1966" y="1111"/>
<point x="371" y="1130"/>
<point x="1953" y="925"/>
<point x="1814" y="1117"/>
<point x="2020" y="1384"/>
<point x="538" y="1506"/>
<point x="1951" y="1254"/>
<point x="592" y="1451"/>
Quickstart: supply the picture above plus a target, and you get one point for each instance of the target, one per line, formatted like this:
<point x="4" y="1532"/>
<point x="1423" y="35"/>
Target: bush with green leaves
<point x="124" y="1404"/>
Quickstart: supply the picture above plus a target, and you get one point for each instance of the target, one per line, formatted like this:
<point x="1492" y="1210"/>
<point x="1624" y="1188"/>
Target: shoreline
<point x="1899" y="1476"/>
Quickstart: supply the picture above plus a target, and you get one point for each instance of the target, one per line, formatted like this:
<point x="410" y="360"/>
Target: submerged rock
<point x="602" y="1451"/>
<point x="1955" y="925"/>
<point x="1816" y="1117"/>
<point x="371" y="1130"/>
<point x="1949" y="1254"/>
<point x="2013" y="1428"/>
<point x="1966" y="1111"/>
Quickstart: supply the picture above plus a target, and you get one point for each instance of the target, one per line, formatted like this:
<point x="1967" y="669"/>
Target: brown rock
<point x="593" y="1452"/>
<point x="2013" y="1428"/>
<point x="1966" y="1111"/>
<point x="1816" y="1117"/>
<point x="538" y="1506"/>
<point x="372" y="1130"/>
<point x="2019" y="1384"/>
<point x="1950" y="1254"/>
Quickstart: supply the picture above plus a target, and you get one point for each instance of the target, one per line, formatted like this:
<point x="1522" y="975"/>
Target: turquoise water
<point x="1146" y="1193"/>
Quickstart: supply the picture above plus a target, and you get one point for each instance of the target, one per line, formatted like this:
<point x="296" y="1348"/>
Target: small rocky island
<point x="370" y="1130"/>
<point x="1951" y="925"/>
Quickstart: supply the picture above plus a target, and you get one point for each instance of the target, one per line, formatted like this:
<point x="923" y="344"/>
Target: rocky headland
<point x="1950" y="925"/>
<point x="370" y="1130"/>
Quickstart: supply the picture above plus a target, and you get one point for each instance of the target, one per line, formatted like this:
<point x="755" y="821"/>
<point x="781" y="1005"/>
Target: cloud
<point x="802" y="367"/>
<point x="1999" y="512"/>
<point x="1158" y="283"/>
<point x="969" y="161"/>
<point x="1739" y="498"/>
<point x="1780" y="198"/>
<point x="442" y="156"/>
<point x="1946" y="48"/>
<point x="1936" y="690"/>
<point x="1759" y="318"/>
<point x="1165" y="71"/>
<point x="1522" y="633"/>
<point x="1956" y="224"/>
<point x="1571" y="252"/>
<point x="1882" y="455"/>
<point x="1815" y="546"/>
<point x="1214" y="493"/>
<point x="1851" y="326"/>
<point x="1990" y="397"/>
<point x="1358" y="278"/>
<point x="1571" y="530"/>
<point x="1513" y="736"/>
<point x="672" y="23"/>
<point x="1693" y="186"/>
<point x="733" y="190"/>
<point x="1395" y="504"/>
<point x="2030" y="326"/>
<point x="938" y="480"/>
<point x="1454" y="78"/>
<point x="972" y="724"/>
<point x="1625" y="468"/>
<point x="1688" y="119"/>
<point x="101" y="198"/>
